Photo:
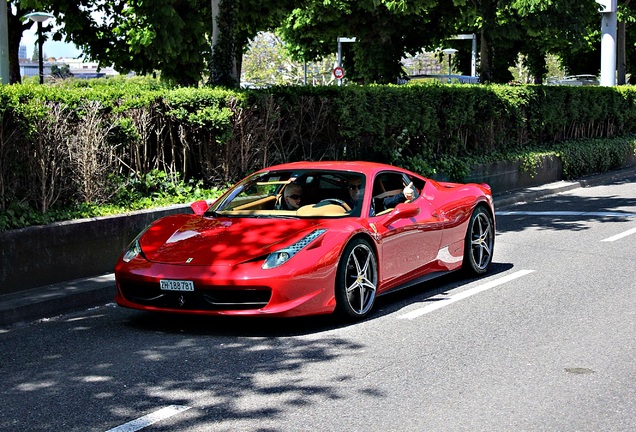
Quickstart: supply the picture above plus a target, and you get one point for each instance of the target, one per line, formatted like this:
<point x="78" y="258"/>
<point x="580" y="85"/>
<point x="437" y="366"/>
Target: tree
<point x="533" y="28"/>
<point x="550" y="28"/>
<point x="35" y="57"/>
<point x="384" y="30"/>
<point x="189" y="41"/>
<point x="237" y="22"/>
<point x="169" y="36"/>
<point x="267" y="62"/>
<point x="62" y="72"/>
<point x="142" y="36"/>
<point x="36" y="53"/>
<point x="17" y="25"/>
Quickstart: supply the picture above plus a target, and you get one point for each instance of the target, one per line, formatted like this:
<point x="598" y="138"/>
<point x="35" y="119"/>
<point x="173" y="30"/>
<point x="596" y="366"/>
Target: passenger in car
<point x="384" y="203"/>
<point x="292" y="197"/>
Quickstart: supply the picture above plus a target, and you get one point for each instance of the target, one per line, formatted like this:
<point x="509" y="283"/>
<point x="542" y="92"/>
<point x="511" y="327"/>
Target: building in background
<point x="78" y="67"/>
<point x="85" y="69"/>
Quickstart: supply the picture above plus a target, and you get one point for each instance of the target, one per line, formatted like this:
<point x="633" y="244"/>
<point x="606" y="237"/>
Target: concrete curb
<point x="519" y="196"/>
<point x="53" y="300"/>
<point x="56" y="299"/>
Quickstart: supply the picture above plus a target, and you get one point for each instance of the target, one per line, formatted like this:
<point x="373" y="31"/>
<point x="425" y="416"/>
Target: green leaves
<point x="157" y="143"/>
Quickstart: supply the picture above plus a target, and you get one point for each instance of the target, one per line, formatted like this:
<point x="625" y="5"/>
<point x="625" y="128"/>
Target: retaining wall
<point x="42" y="255"/>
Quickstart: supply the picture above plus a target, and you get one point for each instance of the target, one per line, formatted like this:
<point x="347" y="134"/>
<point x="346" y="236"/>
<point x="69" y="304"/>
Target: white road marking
<point x="462" y="295"/>
<point x="150" y="419"/>
<point x="565" y="213"/>
<point x="620" y="236"/>
<point x="573" y="213"/>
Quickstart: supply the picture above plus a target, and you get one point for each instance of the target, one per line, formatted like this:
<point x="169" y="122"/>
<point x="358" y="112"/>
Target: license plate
<point x="176" y="285"/>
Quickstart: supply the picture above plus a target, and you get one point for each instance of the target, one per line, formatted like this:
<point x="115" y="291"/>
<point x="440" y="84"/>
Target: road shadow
<point x="585" y="210"/>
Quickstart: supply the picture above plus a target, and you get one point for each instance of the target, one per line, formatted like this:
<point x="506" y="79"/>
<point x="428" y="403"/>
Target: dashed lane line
<point x="565" y="213"/>
<point x="445" y="301"/>
<point x="620" y="235"/>
<point x="150" y="419"/>
<point x="579" y="214"/>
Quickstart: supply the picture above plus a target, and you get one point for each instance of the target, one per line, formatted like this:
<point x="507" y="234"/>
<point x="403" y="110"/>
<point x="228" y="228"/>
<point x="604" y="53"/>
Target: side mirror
<point x="199" y="207"/>
<point x="401" y="211"/>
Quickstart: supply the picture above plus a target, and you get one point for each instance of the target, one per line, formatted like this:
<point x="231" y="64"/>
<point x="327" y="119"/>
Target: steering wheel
<point x="335" y="201"/>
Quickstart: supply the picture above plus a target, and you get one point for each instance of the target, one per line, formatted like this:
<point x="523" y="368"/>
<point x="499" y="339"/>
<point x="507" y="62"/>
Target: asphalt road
<point x="545" y="342"/>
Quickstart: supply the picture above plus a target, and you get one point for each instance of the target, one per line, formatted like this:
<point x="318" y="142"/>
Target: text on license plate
<point x="176" y="285"/>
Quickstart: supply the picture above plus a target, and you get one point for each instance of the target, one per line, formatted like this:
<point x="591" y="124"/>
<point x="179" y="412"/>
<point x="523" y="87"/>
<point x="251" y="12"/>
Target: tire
<point x="356" y="280"/>
<point x="479" y="243"/>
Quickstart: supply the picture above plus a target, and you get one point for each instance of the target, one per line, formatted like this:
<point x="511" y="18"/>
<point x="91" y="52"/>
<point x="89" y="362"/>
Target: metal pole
<point x="40" y="59"/>
<point x="4" y="43"/>
<point x="608" y="49"/>
<point x="608" y="42"/>
<point x="339" y="58"/>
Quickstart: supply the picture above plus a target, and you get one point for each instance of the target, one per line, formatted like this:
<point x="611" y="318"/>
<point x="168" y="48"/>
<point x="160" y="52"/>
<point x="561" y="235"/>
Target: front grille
<point x="202" y="298"/>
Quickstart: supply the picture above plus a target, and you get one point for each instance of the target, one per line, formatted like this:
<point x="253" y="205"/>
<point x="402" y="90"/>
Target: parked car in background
<point x="574" y="80"/>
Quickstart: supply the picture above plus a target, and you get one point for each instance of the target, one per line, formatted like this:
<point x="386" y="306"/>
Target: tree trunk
<point x="16" y="27"/>
<point x="223" y="65"/>
<point x="621" y="62"/>
<point x="485" y="64"/>
<point x="487" y="9"/>
<point x="620" y="54"/>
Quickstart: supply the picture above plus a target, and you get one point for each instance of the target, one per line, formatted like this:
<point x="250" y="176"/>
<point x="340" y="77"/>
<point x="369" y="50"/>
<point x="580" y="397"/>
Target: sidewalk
<point x="54" y="300"/>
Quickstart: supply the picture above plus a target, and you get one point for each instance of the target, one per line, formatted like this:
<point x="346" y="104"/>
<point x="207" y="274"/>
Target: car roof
<point x="355" y="166"/>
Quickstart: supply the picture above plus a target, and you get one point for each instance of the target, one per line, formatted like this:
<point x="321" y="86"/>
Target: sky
<point x="50" y="48"/>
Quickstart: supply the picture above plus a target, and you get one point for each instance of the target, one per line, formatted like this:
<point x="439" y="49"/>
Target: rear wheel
<point x="479" y="243"/>
<point x="357" y="280"/>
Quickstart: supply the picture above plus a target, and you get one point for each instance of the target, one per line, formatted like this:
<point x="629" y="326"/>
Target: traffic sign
<point x="338" y="72"/>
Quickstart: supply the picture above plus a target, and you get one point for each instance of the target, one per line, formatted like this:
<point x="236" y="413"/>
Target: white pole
<point x="339" y="58"/>
<point x="608" y="42"/>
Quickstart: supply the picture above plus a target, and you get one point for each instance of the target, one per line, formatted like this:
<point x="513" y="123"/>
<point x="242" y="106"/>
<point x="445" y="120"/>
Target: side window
<point x="418" y="185"/>
<point x="387" y="184"/>
<point x="388" y="191"/>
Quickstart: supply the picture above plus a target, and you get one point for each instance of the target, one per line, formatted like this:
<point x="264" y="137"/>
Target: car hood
<point x="197" y="240"/>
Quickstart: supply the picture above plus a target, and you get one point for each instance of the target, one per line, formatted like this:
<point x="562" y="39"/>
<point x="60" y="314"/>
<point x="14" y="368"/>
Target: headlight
<point x="134" y="250"/>
<point x="282" y="256"/>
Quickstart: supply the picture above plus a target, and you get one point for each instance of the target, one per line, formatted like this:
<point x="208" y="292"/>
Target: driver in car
<point x="356" y="191"/>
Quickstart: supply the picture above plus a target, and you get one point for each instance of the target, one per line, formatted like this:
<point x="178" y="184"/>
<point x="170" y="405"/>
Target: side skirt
<point x="421" y="279"/>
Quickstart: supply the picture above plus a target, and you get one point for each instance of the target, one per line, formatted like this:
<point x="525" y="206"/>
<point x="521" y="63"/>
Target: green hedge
<point x="81" y="142"/>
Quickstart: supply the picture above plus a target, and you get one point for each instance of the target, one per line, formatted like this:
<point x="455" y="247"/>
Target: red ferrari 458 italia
<point x="308" y="238"/>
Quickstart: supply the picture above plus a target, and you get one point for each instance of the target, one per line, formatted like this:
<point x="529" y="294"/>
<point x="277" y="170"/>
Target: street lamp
<point x="39" y="17"/>
<point x="450" y="52"/>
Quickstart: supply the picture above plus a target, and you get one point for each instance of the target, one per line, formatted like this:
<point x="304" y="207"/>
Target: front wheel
<point x="357" y="280"/>
<point x="479" y="242"/>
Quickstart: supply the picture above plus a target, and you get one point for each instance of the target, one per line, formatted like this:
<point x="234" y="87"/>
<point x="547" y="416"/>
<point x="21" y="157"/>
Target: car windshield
<point x="294" y="193"/>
